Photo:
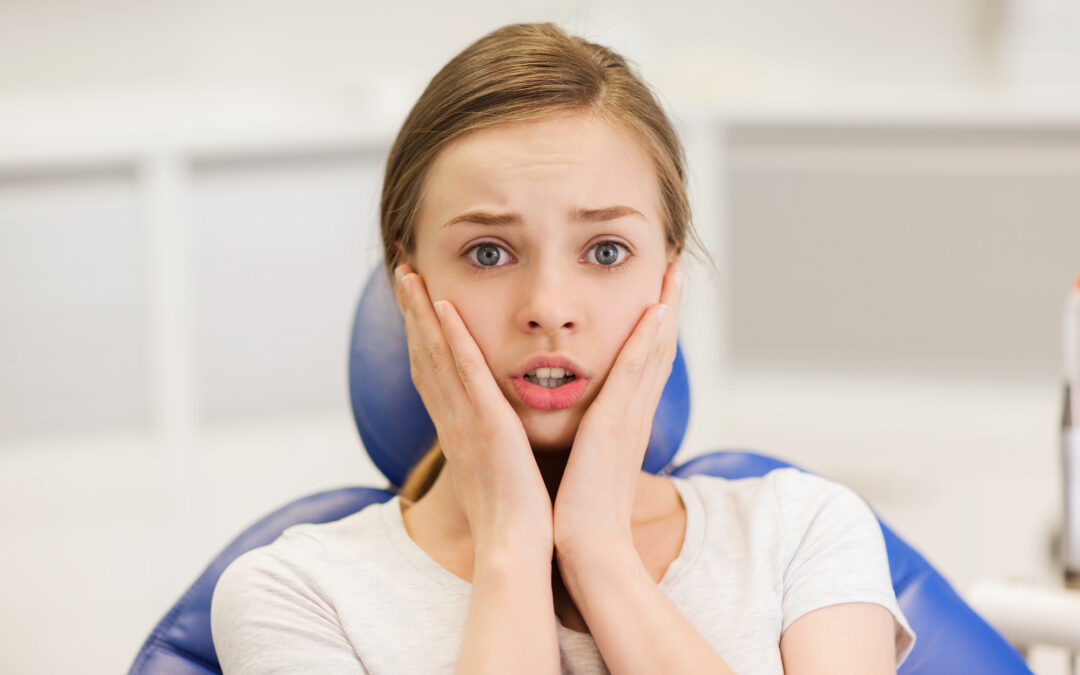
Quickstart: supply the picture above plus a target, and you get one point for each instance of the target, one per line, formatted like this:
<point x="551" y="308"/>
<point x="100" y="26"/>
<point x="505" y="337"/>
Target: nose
<point x="549" y="305"/>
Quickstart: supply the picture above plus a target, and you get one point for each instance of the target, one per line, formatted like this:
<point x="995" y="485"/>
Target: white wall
<point x="95" y="45"/>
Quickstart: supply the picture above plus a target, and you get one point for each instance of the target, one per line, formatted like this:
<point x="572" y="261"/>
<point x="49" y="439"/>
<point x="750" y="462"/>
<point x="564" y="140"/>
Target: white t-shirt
<point x="359" y="596"/>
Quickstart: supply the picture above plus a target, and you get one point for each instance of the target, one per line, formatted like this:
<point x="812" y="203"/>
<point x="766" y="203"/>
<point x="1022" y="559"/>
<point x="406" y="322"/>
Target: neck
<point x="552" y="465"/>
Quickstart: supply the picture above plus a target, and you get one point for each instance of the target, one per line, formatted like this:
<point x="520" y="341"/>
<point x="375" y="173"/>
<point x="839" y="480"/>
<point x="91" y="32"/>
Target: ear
<point x="402" y="256"/>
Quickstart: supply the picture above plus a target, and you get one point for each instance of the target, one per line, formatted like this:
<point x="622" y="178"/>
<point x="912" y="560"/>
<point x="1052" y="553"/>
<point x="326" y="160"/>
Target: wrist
<point x="588" y="569"/>
<point x="584" y="557"/>
<point x="515" y="547"/>
<point x="511" y="563"/>
<point x="584" y="543"/>
<point x="511" y="532"/>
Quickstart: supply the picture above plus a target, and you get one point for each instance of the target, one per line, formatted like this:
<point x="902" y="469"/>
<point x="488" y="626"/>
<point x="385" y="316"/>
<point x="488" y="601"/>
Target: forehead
<point x="570" y="161"/>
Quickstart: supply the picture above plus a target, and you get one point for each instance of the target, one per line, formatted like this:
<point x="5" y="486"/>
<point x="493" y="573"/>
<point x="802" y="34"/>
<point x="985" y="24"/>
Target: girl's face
<point x="548" y="239"/>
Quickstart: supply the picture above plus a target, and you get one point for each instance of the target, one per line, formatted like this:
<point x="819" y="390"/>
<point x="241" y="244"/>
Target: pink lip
<point x="542" y="398"/>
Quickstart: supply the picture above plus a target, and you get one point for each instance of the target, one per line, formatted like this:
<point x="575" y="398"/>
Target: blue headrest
<point x="392" y="420"/>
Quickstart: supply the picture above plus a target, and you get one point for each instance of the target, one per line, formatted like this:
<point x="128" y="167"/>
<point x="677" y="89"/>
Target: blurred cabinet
<point x="266" y="259"/>
<point x="280" y="251"/>
<point x="922" y="250"/>
<point x="73" y="350"/>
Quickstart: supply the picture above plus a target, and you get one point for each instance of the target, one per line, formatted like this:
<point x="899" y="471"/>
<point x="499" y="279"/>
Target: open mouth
<point x="550" y="388"/>
<point x="549" y="378"/>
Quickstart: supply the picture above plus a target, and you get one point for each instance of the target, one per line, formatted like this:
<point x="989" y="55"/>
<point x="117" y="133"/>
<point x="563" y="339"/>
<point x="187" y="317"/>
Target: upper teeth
<point x="545" y="373"/>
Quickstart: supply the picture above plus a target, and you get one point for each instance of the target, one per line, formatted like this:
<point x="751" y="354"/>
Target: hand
<point x="496" y="480"/>
<point x="596" y="496"/>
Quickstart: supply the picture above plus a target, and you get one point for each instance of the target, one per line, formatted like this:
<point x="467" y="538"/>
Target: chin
<point x="551" y="430"/>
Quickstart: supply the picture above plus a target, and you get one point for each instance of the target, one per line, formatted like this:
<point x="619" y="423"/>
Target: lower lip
<point x="543" y="398"/>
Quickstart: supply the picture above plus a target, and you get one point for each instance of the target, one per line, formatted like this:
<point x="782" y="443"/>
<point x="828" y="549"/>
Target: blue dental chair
<point x="396" y="431"/>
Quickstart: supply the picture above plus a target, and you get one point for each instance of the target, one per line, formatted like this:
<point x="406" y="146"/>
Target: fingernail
<point x="440" y="309"/>
<point x="399" y="272"/>
<point x="660" y="312"/>
<point x="405" y="284"/>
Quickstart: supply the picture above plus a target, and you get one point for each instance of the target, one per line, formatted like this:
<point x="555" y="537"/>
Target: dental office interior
<point x="188" y="215"/>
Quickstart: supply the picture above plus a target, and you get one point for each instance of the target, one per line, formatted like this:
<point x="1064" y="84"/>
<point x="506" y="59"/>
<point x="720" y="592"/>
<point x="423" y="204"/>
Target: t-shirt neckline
<point x="416" y="556"/>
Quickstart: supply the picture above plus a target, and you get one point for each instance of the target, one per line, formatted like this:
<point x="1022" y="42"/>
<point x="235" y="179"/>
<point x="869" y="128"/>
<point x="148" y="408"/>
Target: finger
<point x="662" y="354"/>
<point x="401" y="285"/>
<point x="635" y="354"/>
<point x="473" y="369"/>
<point x="630" y="364"/>
<point x="639" y="371"/>
<point x="424" y="381"/>
<point x="430" y="358"/>
<point x="671" y="295"/>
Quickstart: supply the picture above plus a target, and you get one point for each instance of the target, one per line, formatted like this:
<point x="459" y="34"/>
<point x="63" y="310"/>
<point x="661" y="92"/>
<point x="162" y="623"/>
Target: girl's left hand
<point x="596" y="496"/>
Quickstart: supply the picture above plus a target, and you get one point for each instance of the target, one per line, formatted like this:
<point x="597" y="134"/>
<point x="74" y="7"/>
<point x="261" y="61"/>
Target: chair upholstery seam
<point x="187" y="655"/>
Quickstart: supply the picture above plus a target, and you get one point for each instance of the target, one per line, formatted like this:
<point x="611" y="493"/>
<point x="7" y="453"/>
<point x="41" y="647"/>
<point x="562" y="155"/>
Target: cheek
<point x="479" y="311"/>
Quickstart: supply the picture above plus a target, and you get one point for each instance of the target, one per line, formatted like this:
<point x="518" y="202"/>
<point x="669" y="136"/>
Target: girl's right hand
<point x="496" y="480"/>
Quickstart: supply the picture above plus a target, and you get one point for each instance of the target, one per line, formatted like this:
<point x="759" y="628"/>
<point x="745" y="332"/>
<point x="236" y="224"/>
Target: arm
<point x="636" y="627"/>
<point x="840" y="611"/>
<point x="510" y="626"/>
<point x="854" y="637"/>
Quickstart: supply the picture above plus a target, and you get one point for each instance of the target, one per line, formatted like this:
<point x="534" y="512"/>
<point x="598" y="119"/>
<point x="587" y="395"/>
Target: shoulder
<point x="802" y="506"/>
<point x="785" y="488"/>
<point x="301" y="562"/>
<point x="275" y="604"/>
<point x="792" y="515"/>
<point x="808" y="501"/>
<point x="798" y="492"/>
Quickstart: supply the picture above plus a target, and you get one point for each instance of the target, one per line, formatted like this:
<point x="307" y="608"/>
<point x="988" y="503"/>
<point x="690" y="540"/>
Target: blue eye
<point x="607" y="253"/>
<point x="488" y="255"/>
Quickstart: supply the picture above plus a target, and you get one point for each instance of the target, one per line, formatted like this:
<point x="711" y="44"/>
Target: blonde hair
<point x="523" y="73"/>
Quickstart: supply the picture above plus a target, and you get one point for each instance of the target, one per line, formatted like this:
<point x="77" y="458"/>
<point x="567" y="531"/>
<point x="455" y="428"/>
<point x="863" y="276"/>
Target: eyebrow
<point x="577" y="216"/>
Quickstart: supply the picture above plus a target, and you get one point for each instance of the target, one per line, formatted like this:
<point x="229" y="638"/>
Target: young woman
<point x="534" y="214"/>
